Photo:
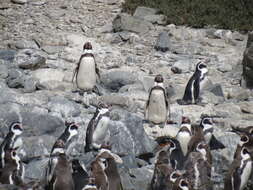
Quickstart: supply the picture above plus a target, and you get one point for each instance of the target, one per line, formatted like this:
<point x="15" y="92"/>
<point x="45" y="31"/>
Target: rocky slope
<point x="41" y="41"/>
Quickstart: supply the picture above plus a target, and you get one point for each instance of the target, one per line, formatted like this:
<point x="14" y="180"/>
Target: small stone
<point x="176" y="70"/>
<point x="163" y="43"/>
<point x="21" y="2"/>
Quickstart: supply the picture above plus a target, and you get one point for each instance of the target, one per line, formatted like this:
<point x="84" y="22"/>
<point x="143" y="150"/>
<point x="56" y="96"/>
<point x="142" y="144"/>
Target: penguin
<point x="245" y="141"/>
<point x="111" y="169"/>
<point x="182" y="184"/>
<point x="12" y="140"/>
<point x="97" y="130"/>
<point x="239" y="172"/>
<point x="177" y="157"/>
<point x="157" y="106"/>
<point x="162" y="170"/>
<point x="79" y="175"/>
<point x="86" y="72"/>
<point x="194" y="85"/>
<point x="198" y="168"/>
<point x="67" y="136"/>
<point x="207" y="125"/>
<point x="184" y="134"/>
<point x="13" y="170"/>
<point x="60" y="172"/>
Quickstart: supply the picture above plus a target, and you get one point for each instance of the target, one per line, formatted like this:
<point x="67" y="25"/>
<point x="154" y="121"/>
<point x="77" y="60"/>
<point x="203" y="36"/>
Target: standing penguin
<point x="59" y="176"/>
<point x="239" y="172"/>
<point x="86" y="71"/>
<point x="157" y="106"/>
<point x="194" y="85"/>
<point x="69" y="133"/>
<point x="12" y="140"/>
<point x="184" y="134"/>
<point x="79" y="174"/>
<point x="13" y="170"/>
<point x="97" y="130"/>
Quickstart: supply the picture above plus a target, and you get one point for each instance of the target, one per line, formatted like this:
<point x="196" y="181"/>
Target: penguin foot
<point x="183" y="102"/>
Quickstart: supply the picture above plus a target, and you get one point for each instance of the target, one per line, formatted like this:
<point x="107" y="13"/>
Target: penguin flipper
<point x="196" y="90"/>
<point x="215" y="144"/>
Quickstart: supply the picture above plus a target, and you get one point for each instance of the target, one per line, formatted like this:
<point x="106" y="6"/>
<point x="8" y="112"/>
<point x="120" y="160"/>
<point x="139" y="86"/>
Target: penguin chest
<point x="157" y="110"/>
<point x="17" y="143"/>
<point x="101" y="130"/>
<point x="184" y="139"/>
<point x="245" y="174"/>
<point x="86" y="75"/>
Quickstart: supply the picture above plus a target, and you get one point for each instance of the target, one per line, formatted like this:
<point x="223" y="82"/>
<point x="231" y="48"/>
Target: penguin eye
<point x="244" y="138"/>
<point x="17" y="127"/>
<point x="201" y="66"/>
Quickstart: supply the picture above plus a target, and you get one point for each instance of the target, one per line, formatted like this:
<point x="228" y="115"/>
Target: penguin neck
<point x="88" y="51"/>
<point x="160" y="84"/>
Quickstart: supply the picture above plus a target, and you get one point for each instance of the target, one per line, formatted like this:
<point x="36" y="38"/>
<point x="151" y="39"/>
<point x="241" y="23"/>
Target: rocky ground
<point x="41" y="42"/>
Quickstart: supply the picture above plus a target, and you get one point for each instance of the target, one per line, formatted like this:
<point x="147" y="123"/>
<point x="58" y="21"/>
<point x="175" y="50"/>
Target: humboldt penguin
<point x="207" y="125"/>
<point x="12" y="140"/>
<point x="239" y="172"/>
<point x="157" y="105"/>
<point x="13" y="170"/>
<point x="59" y="176"/>
<point x="86" y="72"/>
<point x="194" y="85"/>
<point x="111" y="169"/>
<point x="184" y="134"/>
<point x="97" y="133"/>
<point x="79" y="175"/>
<point x="177" y="157"/>
<point x="68" y="135"/>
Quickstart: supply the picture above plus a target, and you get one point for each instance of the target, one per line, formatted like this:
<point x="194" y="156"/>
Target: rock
<point x="3" y="71"/>
<point x="130" y="60"/>
<point x="156" y="19"/>
<point x="238" y="93"/>
<point x="64" y="107"/>
<point x="8" y="187"/>
<point x="142" y="12"/>
<point x="183" y="65"/>
<point x="129" y="128"/>
<point x="225" y="66"/>
<point x="15" y="79"/>
<point x="163" y="42"/>
<point x="248" y="62"/>
<point x="52" y="49"/>
<point x="117" y="78"/>
<point x="246" y="107"/>
<point x="46" y="75"/>
<point x="21" y="2"/>
<point x="30" y="85"/>
<point x="7" y="55"/>
<point x="36" y="169"/>
<point x="125" y="22"/>
<point x="115" y="100"/>
<point x="216" y="89"/>
<point x="29" y="59"/>
<point x="176" y="70"/>
<point x="26" y="44"/>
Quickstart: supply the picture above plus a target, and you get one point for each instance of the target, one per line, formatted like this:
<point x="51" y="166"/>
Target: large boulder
<point x="248" y="63"/>
<point x="125" y="22"/>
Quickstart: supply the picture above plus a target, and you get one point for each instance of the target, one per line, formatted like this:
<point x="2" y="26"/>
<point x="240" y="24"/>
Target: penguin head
<point x="244" y="139"/>
<point x="186" y="120"/>
<point x="72" y="129"/>
<point x="201" y="67"/>
<point x="202" y="148"/>
<point x="159" y="79"/>
<point x="206" y="123"/>
<point x="107" y="154"/>
<point x="184" y="184"/>
<point x="103" y="108"/>
<point x="87" y="48"/>
<point x="16" y="128"/>
<point x="59" y="147"/>
<point x="175" y="175"/>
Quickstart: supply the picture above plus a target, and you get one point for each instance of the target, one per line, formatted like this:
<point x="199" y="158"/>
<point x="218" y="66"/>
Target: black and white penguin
<point x="12" y="140"/>
<point x="111" y="169"/>
<point x="239" y="171"/>
<point x="97" y="130"/>
<point x="194" y="85"/>
<point x="184" y="134"/>
<point x="177" y="157"/>
<point x="59" y="176"/>
<point x="86" y="72"/>
<point x="207" y="125"/>
<point x="13" y="170"/>
<point x="79" y="175"/>
<point x="68" y="135"/>
<point x="157" y="106"/>
<point x="182" y="184"/>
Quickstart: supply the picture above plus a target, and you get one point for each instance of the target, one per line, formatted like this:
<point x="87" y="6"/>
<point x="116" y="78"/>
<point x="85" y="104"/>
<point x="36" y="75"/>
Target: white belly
<point x="184" y="138"/>
<point x="100" y="132"/>
<point x="157" y="111"/>
<point x="86" y="75"/>
<point x="246" y="174"/>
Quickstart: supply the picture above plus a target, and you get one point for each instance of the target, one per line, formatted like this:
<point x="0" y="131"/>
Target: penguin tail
<point x="215" y="144"/>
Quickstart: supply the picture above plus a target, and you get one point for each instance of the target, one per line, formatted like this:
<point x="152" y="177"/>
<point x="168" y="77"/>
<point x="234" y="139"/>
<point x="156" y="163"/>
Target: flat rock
<point x="125" y="22"/>
<point x="163" y="42"/>
<point x="45" y="75"/>
<point x="26" y="44"/>
<point x="156" y="19"/>
<point x="142" y="12"/>
<point x="7" y="54"/>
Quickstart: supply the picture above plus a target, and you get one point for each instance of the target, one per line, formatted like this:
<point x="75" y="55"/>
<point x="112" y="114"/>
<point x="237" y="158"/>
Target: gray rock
<point x="52" y="49"/>
<point x="30" y="85"/>
<point x="7" y="55"/>
<point x="15" y="79"/>
<point x="125" y="22"/>
<point x="163" y="42"/>
<point x="36" y="169"/>
<point x="117" y="78"/>
<point x="29" y="59"/>
<point x="142" y="12"/>
<point x="26" y="44"/>
<point x="46" y="75"/>
<point x="3" y="71"/>
<point x="115" y="100"/>
<point x="130" y="129"/>
<point x="64" y="107"/>
<point x="183" y="65"/>
<point x="156" y="19"/>
<point x="130" y="60"/>
<point x="248" y="62"/>
<point x="216" y="89"/>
